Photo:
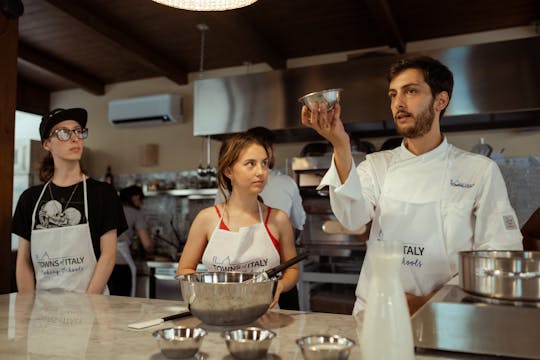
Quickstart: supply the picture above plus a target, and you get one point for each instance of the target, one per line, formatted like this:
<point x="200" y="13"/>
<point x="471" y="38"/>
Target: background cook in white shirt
<point x="123" y="280"/>
<point x="236" y="228"/>
<point x="433" y="197"/>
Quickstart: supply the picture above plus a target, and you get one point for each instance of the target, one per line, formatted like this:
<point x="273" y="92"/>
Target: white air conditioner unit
<point x="146" y="111"/>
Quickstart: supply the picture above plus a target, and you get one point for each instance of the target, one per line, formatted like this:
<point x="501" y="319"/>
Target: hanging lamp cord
<point x="203" y="28"/>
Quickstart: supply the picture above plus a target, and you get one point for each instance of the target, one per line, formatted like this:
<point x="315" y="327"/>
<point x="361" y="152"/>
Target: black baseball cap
<point x="49" y="120"/>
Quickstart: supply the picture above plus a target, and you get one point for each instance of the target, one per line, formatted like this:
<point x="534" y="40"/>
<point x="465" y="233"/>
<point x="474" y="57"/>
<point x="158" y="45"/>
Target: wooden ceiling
<point x="87" y="44"/>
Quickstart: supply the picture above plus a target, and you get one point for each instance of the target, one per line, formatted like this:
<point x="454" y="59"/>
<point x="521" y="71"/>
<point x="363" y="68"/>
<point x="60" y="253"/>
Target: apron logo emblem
<point x="460" y="184"/>
<point x="411" y="255"/>
<point x="59" y="265"/>
<point x="249" y="266"/>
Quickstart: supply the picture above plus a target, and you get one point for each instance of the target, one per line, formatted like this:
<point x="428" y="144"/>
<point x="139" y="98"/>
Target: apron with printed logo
<point x="63" y="257"/>
<point x="409" y="211"/>
<point x="248" y="250"/>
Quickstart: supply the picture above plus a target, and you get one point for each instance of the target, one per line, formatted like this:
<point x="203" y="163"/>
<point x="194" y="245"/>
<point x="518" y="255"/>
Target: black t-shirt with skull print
<point x="64" y="206"/>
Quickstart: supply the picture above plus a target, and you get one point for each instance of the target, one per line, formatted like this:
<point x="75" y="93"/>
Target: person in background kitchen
<point x="435" y="198"/>
<point x="68" y="226"/>
<point x="280" y="192"/>
<point x="123" y="279"/>
<point x="242" y="233"/>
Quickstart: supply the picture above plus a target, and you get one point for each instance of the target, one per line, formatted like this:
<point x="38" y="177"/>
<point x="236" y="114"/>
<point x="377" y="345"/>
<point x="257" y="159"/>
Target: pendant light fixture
<point x="202" y="170"/>
<point x="206" y="5"/>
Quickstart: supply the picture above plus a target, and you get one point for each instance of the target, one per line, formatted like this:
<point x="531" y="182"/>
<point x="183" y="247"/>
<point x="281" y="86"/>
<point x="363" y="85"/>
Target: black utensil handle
<point x="274" y="271"/>
<point x="177" y="316"/>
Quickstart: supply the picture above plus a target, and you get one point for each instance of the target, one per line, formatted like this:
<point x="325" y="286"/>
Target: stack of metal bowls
<point x="249" y="343"/>
<point x="179" y="342"/>
<point x="325" y="347"/>
<point x="226" y="298"/>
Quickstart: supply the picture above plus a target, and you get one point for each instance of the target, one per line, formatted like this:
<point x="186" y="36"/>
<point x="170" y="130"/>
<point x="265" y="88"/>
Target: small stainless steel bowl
<point x="179" y="342"/>
<point x="248" y="343"/>
<point x="330" y="97"/>
<point x="325" y="347"/>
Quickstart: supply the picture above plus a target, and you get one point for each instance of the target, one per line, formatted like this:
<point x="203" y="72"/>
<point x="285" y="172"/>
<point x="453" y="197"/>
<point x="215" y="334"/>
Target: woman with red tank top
<point x="242" y="234"/>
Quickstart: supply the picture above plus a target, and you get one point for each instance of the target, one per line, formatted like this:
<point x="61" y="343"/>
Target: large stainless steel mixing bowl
<point x="225" y="298"/>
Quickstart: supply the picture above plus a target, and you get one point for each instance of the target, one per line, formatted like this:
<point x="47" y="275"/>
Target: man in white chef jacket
<point x="435" y="198"/>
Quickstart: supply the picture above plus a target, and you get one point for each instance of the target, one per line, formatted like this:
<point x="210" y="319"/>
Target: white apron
<point x="63" y="257"/>
<point x="409" y="211"/>
<point x="248" y="250"/>
<point x="123" y="248"/>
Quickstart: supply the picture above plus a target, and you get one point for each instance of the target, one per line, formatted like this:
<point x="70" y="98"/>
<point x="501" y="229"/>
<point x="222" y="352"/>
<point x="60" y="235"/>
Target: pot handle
<point x="510" y="274"/>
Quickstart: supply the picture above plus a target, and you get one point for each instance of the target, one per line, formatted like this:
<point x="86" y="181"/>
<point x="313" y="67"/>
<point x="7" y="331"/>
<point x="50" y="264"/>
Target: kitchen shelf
<point x="190" y="193"/>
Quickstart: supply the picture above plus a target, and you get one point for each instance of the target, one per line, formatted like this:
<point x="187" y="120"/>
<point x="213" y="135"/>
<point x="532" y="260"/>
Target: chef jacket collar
<point x="405" y="154"/>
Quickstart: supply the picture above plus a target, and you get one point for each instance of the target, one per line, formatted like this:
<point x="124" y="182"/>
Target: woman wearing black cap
<point x="67" y="227"/>
<point x="123" y="278"/>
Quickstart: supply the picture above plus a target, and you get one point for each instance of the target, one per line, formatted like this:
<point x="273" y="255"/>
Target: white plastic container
<point x="386" y="331"/>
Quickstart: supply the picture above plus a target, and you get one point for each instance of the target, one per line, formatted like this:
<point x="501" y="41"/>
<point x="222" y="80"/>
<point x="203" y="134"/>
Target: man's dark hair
<point x="266" y="135"/>
<point x="436" y="74"/>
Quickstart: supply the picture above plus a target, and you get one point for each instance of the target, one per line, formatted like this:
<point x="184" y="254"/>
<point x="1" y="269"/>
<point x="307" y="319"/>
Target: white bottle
<point x="386" y="330"/>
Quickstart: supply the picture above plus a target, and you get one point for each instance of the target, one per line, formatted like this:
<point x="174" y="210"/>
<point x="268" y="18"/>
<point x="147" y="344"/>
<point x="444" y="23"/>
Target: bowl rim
<point x="227" y="333"/>
<point x="301" y="344"/>
<point x="182" y="277"/>
<point x="338" y="90"/>
<point x="202" y="332"/>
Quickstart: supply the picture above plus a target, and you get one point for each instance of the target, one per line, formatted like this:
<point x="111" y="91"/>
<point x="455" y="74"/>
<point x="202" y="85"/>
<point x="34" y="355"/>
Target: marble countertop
<point x="64" y="325"/>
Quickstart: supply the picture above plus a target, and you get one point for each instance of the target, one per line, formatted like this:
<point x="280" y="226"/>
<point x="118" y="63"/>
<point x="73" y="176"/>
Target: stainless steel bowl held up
<point x="179" y="342"/>
<point x="249" y="343"/>
<point x="504" y="275"/>
<point x="226" y="298"/>
<point x="325" y="347"/>
<point x="330" y="97"/>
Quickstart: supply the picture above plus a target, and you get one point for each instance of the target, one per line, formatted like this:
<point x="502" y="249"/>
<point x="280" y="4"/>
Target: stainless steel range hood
<point x="496" y="85"/>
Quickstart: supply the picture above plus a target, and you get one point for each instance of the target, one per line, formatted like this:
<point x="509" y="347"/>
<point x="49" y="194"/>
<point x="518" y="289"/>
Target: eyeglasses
<point x="64" y="134"/>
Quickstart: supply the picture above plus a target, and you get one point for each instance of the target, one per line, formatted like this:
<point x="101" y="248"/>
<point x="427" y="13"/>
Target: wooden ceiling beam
<point x="382" y="13"/>
<point x="32" y="98"/>
<point x="244" y="32"/>
<point x="60" y="68"/>
<point x="124" y="39"/>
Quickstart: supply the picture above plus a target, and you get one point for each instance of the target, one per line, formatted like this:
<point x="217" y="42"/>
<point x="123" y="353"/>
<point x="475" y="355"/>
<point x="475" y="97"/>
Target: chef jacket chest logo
<point x="412" y="255"/>
<point x="248" y="266"/>
<point x="54" y="266"/>
<point x="457" y="183"/>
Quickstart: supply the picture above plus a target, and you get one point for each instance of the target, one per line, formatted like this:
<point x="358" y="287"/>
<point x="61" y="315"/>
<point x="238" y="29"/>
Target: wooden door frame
<point x="9" y="34"/>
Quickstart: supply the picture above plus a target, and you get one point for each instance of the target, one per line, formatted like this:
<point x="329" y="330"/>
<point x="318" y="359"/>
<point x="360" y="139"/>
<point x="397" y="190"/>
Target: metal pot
<point x="226" y="298"/>
<point x="505" y="275"/>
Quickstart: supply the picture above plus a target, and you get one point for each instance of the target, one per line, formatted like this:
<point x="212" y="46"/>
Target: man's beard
<point x="422" y="124"/>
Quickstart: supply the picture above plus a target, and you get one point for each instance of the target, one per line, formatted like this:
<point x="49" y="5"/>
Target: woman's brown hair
<point x="229" y="152"/>
<point x="46" y="168"/>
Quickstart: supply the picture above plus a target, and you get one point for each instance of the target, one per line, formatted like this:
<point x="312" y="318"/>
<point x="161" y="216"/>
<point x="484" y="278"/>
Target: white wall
<point x="180" y="150"/>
